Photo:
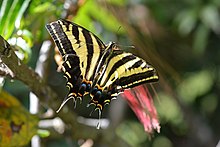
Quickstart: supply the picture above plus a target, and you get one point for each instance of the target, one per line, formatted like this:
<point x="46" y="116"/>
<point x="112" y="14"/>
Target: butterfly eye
<point x="114" y="46"/>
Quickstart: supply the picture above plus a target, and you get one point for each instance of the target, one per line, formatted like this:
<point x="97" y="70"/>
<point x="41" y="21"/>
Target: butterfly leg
<point x="65" y="101"/>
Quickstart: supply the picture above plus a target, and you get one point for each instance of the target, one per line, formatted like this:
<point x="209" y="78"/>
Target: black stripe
<point x="120" y="63"/>
<point x="136" y="77"/>
<point x="100" y="61"/>
<point x="103" y="59"/>
<point x="136" y="65"/>
<point x="54" y="37"/>
<point x="90" y="50"/>
<point x="106" y="57"/>
<point x="100" y="43"/>
<point x="67" y="24"/>
<point x="61" y="36"/>
<point x="117" y="65"/>
<point x="73" y="61"/>
<point x="75" y="32"/>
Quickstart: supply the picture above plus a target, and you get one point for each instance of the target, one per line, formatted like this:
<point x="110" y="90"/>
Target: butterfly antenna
<point x="123" y="46"/>
<point x="126" y="46"/>
<point x="118" y="29"/>
<point x="63" y="103"/>
<point x="155" y="92"/>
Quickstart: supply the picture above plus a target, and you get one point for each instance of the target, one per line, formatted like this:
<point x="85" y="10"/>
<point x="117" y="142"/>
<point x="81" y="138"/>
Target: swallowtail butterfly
<point x="91" y="67"/>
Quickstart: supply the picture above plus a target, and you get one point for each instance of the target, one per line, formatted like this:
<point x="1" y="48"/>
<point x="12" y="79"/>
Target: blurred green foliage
<point x="197" y="25"/>
<point x="91" y="11"/>
<point x="132" y="133"/>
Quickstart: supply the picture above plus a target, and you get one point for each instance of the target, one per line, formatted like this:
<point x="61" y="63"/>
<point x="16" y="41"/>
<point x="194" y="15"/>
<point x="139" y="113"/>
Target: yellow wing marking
<point x="120" y="72"/>
<point x="111" y="64"/>
<point x="95" y="57"/>
<point x="79" y="48"/>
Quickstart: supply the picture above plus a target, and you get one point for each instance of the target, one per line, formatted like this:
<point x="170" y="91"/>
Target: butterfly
<point x="94" y="68"/>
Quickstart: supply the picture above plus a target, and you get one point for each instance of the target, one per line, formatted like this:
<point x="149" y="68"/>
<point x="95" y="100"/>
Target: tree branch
<point x="46" y="95"/>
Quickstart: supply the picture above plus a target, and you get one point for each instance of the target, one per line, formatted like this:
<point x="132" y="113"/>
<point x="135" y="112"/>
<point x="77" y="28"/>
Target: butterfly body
<point x="91" y="67"/>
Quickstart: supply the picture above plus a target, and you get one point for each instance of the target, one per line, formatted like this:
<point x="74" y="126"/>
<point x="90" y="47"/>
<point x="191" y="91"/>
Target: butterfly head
<point x="112" y="46"/>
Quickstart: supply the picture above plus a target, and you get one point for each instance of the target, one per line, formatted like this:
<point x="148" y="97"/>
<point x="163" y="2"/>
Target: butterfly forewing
<point x="77" y="45"/>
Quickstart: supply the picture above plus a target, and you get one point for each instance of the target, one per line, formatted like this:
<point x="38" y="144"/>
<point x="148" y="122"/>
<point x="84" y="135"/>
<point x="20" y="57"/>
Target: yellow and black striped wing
<point x="126" y="70"/>
<point x="122" y="71"/>
<point x="81" y="51"/>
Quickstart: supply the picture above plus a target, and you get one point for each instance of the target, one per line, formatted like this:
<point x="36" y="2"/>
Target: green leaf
<point x="187" y="21"/>
<point x="210" y="103"/>
<point x="197" y="84"/>
<point x="5" y="7"/>
<point x="41" y="13"/>
<point x="43" y="133"/>
<point x="21" y="12"/>
<point x="118" y="2"/>
<point x="41" y="8"/>
<point x="200" y="39"/>
<point x="27" y="36"/>
<point x="168" y="109"/>
<point x="132" y="133"/>
<point x="10" y="21"/>
<point x="210" y="17"/>
<point x="11" y="14"/>
<point x="162" y="141"/>
<point x="91" y="10"/>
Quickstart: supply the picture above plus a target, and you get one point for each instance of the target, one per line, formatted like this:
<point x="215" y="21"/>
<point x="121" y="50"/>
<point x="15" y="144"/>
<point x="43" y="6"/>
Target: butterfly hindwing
<point x="122" y="71"/>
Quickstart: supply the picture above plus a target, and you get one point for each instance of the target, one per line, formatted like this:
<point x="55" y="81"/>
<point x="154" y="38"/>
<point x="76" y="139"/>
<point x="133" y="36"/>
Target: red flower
<point x="141" y="102"/>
